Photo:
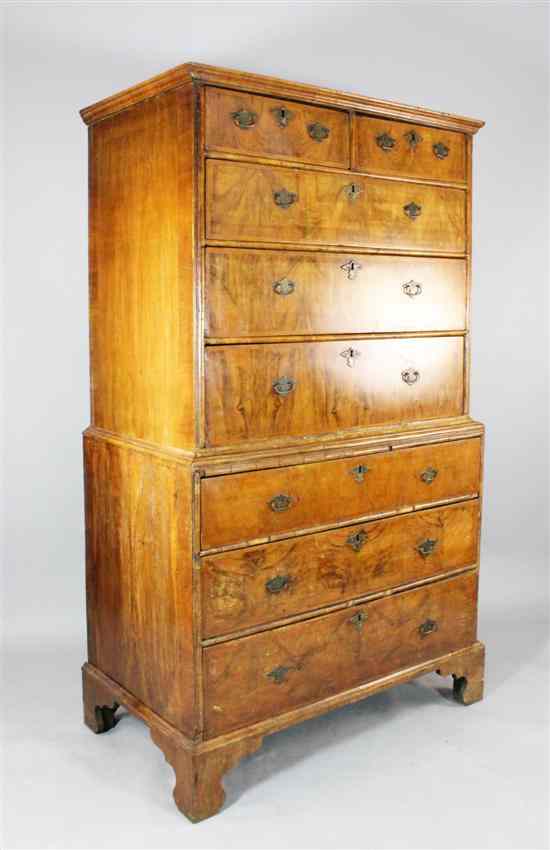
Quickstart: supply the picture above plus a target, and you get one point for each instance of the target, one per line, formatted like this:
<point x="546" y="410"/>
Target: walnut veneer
<point x="283" y="482"/>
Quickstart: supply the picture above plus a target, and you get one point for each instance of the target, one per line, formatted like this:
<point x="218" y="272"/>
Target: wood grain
<point x="328" y="394"/>
<point x="266" y="137"/>
<point x="405" y="159"/>
<point x="141" y="276"/>
<point x="241" y="206"/>
<point x="254" y="586"/>
<point x="236" y="508"/>
<point x="138" y="577"/>
<point x="245" y="293"/>
<point x="299" y="664"/>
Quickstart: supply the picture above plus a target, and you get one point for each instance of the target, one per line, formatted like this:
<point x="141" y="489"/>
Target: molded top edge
<point x="193" y="71"/>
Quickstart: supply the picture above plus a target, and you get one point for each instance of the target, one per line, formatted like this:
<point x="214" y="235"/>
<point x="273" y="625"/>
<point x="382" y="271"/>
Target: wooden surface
<point x="208" y="74"/>
<point x="302" y="663"/>
<point x="194" y="581"/>
<point x="139" y="577"/>
<point x="199" y="767"/>
<point x="328" y="298"/>
<point x="141" y="281"/>
<point x="405" y="159"/>
<point x="329" y="395"/>
<point x="236" y="509"/>
<point x="266" y="137"/>
<point x="260" y="584"/>
<point x="240" y="206"/>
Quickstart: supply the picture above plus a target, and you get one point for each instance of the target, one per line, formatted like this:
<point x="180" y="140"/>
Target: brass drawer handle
<point x="318" y="132"/>
<point x="282" y="115"/>
<point x="278" y="674"/>
<point x="244" y="119"/>
<point x="279" y="503"/>
<point x="359" y="620"/>
<point x="284" y="199"/>
<point x="429" y="475"/>
<point x="278" y="584"/>
<point x="352" y="191"/>
<point x="440" y="150"/>
<point x="350" y="355"/>
<point x="351" y="268"/>
<point x="427" y="628"/>
<point x="412" y="288"/>
<point x="413" y="210"/>
<point x="283" y="386"/>
<point x="410" y="376"/>
<point x="426" y="547"/>
<point x="413" y="138"/>
<point x="357" y="540"/>
<point x="284" y="287"/>
<point x="385" y="141"/>
<point x="359" y="472"/>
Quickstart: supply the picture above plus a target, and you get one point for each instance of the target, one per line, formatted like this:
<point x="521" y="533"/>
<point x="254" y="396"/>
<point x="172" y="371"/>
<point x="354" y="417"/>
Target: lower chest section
<point x="319" y="577"/>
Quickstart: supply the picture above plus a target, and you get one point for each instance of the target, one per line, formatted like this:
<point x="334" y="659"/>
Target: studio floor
<point x="408" y="768"/>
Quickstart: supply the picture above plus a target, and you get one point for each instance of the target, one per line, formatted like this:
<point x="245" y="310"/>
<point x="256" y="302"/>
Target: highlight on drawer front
<point x="303" y="662"/>
<point x="254" y="506"/>
<point x="262" y="293"/>
<point x="294" y="389"/>
<point x="261" y="203"/>
<point x="394" y="148"/>
<point x="254" y="586"/>
<point x="267" y="127"/>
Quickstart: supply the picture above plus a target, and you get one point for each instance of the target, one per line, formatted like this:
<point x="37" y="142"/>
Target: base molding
<point x="199" y="765"/>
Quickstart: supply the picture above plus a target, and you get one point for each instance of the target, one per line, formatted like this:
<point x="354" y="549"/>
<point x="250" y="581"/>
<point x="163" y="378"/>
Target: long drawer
<point x="249" y="679"/>
<point x="258" y="203"/>
<point x="260" y="584"/>
<point x="276" y="293"/>
<point x="257" y="505"/>
<point x="295" y="389"/>
<point x="268" y="127"/>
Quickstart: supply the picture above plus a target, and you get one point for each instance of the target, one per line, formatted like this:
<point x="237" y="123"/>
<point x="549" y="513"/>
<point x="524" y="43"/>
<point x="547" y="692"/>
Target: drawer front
<point x="278" y="293"/>
<point x="294" y="389"/>
<point x="255" y="677"/>
<point x="404" y="150"/>
<point x="257" y="203"/>
<point x="256" y="505"/>
<point x="263" y="126"/>
<point x="254" y="586"/>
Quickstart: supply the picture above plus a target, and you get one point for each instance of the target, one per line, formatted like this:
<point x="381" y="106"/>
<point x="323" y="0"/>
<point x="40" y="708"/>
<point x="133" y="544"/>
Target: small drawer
<point x="238" y="122"/>
<point x="249" y="679"/>
<point x="254" y="586"/>
<point x="279" y="293"/>
<point x="251" y="506"/>
<point x="263" y="391"/>
<point x="260" y="203"/>
<point x="396" y="149"/>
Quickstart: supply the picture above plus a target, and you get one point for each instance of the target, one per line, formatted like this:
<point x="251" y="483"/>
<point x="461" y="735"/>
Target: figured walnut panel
<point x="237" y="508"/>
<point x="328" y="394"/>
<point x="141" y="273"/>
<point x="266" y="136"/>
<point x="397" y="149"/>
<point x="138" y="577"/>
<point x="266" y="293"/>
<point x="258" y="585"/>
<point x="241" y="207"/>
<point x="255" y="677"/>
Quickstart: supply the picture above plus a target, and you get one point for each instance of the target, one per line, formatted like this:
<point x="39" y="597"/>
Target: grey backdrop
<point x="387" y="774"/>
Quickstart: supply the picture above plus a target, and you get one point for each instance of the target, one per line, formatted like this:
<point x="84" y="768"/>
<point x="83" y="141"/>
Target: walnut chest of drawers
<point x="283" y="481"/>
